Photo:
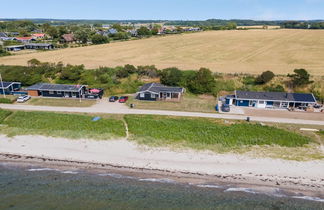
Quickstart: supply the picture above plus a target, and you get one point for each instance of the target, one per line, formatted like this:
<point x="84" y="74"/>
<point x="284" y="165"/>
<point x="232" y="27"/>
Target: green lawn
<point x="61" y="102"/>
<point x="205" y="133"/>
<point x="191" y="103"/>
<point x="61" y="125"/>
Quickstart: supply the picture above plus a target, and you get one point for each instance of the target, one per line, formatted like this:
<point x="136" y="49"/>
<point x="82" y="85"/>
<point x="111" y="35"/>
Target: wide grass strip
<point x="203" y="132"/>
<point x="65" y="125"/>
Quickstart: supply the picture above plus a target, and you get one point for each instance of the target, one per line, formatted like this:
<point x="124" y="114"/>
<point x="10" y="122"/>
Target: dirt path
<point x="124" y="110"/>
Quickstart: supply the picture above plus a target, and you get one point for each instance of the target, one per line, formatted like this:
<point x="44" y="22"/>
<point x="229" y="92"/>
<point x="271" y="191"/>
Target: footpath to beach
<point x="125" y="110"/>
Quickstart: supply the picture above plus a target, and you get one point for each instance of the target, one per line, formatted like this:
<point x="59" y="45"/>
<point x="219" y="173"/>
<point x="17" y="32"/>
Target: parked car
<point x="123" y="99"/>
<point x="226" y="108"/>
<point x="22" y="99"/>
<point x="113" y="98"/>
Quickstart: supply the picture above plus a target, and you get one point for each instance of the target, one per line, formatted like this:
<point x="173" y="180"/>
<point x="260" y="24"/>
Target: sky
<point x="164" y="9"/>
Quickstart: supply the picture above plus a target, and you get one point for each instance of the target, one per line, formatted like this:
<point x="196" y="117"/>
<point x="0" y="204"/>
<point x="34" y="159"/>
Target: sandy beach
<point x="229" y="168"/>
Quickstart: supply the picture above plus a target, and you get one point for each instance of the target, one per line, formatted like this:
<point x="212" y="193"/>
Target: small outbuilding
<point x="57" y="90"/>
<point x="159" y="92"/>
<point x="270" y="99"/>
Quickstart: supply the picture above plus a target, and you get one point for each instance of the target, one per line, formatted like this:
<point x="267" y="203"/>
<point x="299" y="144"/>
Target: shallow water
<point x="31" y="187"/>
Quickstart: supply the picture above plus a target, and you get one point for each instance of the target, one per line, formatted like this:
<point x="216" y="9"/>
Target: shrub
<point x="265" y="77"/>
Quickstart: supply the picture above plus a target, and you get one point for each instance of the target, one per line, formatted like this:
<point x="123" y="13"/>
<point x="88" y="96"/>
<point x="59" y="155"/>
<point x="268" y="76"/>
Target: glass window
<point x="142" y="95"/>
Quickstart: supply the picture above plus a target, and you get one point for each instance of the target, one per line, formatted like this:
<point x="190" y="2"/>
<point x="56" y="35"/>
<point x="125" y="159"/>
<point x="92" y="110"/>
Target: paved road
<point x="100" y="108"/>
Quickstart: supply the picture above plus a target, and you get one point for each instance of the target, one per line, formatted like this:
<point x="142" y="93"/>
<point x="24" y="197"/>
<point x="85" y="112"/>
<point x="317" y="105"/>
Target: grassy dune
<point x="60" y="125"/>
<point x="249" y="51"/>
<point x="203" y="133"/>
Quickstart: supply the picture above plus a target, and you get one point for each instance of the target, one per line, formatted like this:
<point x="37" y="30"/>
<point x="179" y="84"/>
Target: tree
<point x="143" y="31"/>
<point x="300" y="78"/>
<point x="265" y="77"/>
<point x="82" y="36"/>
<point x="278" y="88"/>
<point x="99" y="39"/>
<point x="52" y="31"/>
<point x="203" y="83"/>
<point x="33" y="62"/>
<point x="171" y="76"/>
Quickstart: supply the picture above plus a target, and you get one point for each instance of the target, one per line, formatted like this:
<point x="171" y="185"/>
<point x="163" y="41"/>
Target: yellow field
<point x="250" y="51"/>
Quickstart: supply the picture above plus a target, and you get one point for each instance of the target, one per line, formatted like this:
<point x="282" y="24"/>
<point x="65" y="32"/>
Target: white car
<point x="22" y="99"/>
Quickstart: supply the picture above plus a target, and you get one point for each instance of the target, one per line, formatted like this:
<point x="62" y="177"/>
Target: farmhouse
<point x="38" y="35"/>
<point x="270" y="99"/>
<point x="15" y="47"/>
<point x="56" y="90"/>
<point x="9" y="87"/>
<point x="156" y="92"/>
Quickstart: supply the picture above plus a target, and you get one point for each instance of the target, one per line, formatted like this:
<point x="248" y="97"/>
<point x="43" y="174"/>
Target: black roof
<point x="157" y="87"/>
<point x="55" y="87"/>
<point x="3" y="34"/>
<point x="276" y="96"/>
<point x="39" y="44"/>
<point x="7" y="84"/>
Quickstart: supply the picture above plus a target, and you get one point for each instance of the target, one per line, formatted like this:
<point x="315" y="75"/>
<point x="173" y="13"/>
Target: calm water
<point x="31" y="187"/>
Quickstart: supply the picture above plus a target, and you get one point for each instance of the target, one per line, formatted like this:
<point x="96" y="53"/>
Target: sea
<point x="34" y="187"/>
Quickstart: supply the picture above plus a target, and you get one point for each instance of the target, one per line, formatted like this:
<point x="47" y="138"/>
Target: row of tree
<point x="202" y="81"/>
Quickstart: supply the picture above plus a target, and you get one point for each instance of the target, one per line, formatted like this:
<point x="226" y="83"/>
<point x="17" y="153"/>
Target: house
<point x="157" y="92"/>
<point x="270" y="99"/>
<point x="39" y="35"/>
<point x="15" y="47"/>
<point x="111" y="31"/>
<point x="43" y="46"/>
<point x="68" y="37"/>
<point x="56" y="90"/>
<point x="24" y="39"/>
<point x="3" y="35"/>
<point x="9" y="87"/>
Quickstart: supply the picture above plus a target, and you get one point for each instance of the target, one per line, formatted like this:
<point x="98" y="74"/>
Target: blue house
<point x="9" y="87"/>
<point x="270" y="99"/>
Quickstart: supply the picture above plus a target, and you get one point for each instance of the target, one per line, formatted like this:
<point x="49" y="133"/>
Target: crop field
<point x="246" y="51"/>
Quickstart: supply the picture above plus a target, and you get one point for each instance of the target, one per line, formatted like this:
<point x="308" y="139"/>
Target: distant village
<point x="48" y="37"/>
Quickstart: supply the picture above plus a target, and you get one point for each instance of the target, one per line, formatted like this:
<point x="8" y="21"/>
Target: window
<point x="142" y="95"/>
<point x="59" y="92"/>
<point x="152" y="95"/>
<point x="51" y="92"/>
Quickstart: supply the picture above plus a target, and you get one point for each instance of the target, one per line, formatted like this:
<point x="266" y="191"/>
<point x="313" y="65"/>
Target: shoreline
<point x="200" y="168"/>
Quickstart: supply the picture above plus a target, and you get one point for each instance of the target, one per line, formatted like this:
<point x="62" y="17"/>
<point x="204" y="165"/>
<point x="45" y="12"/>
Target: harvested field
<point x="247" y="51"/>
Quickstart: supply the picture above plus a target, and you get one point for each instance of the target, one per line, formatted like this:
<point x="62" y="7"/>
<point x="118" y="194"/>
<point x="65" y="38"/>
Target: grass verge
<point x="61" y="102"/>
<point x="60" y="125"/>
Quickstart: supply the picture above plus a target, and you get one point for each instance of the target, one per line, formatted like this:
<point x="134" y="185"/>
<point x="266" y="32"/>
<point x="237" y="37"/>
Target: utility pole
<point x="4" y="93"/>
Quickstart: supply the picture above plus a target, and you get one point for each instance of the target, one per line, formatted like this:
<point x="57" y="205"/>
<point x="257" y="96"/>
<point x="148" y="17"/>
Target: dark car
<point x="225" y="108"/>
<point x="123" y="99"/>
<point x="113" y="98"/>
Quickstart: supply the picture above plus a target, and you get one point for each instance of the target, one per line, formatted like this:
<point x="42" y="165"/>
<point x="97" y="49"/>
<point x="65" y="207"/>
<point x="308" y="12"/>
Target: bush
<point x="99" y="39"/>
<point x="265" y="77"/>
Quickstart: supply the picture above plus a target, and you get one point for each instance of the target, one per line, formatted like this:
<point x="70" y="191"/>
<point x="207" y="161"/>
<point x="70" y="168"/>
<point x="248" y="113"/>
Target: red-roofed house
<point x="68" y="37"/>
<point x="39" y="36"/>
<point x="24" y="39"/>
